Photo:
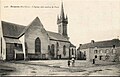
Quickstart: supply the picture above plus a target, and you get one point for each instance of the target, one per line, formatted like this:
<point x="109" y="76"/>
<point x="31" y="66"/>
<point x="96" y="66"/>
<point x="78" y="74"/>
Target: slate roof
<point x="11" y="30"/>
<point x="56" y="36"/>
<point x="101" y="44"/>
<point x="15" y="31"/>
<point x="71" y="45"/>
<point x="12" y="40"/>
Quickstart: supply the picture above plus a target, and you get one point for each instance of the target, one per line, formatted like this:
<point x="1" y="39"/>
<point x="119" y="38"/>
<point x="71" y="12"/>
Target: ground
<point x="58" y="67"/>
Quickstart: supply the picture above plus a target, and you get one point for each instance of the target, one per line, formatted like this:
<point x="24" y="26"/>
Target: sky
<point x="87" y="19"/>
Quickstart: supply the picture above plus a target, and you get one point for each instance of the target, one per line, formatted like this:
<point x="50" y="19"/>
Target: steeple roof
<point x="62" y="11"/>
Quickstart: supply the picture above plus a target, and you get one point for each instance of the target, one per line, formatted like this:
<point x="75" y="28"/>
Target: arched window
<point x="49" y="49"/>
<point x="37" y="46"/>
<point x="69" y="53"/>
<point x="72" y="51"/>
<point x="64" y="50"/>
<point x="52" y="52"/>
<point x="80" y="54"/>
<point x="57" y="49"/>
<point x="1" y="45"/>
<point x="26" y="48"/>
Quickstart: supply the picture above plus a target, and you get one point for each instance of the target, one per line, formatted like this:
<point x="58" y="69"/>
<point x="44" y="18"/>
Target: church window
<point x="72" y="51"/>
<point x="48" y="47"/>
<point x="37" y="46"/>
<point x="57" y="48"/>
<point x="26" y="48"/>
<point x="64" y="50"/>
<point x="69" y="53"/>
<point x="52" y="52"/>
<point x="1" y="45"/>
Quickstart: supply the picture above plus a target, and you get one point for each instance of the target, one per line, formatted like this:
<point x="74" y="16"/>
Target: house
<point x="108" y="50"/>
<point x="19" y="42"/>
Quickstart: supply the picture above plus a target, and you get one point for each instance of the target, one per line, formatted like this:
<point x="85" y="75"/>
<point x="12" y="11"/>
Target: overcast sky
<point x="87" y="19"/>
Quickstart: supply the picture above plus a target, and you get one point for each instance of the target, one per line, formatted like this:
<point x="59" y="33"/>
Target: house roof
<point x="12" y="30"/>
<point x="12" y="40"/>
<point x="101" y="44"/>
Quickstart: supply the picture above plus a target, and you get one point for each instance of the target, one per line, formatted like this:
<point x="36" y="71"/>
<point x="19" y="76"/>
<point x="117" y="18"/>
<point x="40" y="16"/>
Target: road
<point x="59" y="67"/>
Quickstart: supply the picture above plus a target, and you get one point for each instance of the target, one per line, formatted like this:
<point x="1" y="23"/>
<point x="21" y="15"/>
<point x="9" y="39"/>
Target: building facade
<point x="108" y="50"/>
<point x="20" y="42"/>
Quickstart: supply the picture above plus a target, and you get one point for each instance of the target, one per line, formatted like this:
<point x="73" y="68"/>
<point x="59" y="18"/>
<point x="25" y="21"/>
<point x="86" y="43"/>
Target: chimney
<point x="80" y="45"/>
<point x="92" y="41"/>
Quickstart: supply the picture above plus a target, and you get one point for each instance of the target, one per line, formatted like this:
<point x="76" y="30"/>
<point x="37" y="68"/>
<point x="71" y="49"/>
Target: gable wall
<point x="36" y="30"/>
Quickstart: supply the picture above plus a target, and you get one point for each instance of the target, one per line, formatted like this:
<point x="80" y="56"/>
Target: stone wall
<point x="36" y="30"/>
<point x="60" y="48"/>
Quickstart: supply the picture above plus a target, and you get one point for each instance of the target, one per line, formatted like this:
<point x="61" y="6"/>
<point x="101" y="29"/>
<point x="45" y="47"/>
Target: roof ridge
<point x="13" y="23"/>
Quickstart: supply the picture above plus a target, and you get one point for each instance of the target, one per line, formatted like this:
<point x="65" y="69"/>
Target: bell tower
<point x="62" y="22"/>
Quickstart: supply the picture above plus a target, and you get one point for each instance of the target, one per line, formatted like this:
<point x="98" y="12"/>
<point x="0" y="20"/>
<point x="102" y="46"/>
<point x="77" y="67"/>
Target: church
<point x="33" y="42"/>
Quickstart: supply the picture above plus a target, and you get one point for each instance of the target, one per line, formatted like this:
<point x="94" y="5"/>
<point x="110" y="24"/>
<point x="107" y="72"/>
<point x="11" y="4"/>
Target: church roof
<point x="101" y="44"/>
<point x="71" y="45"/>
<point x="56" y="36"/>
<point x="15" y="31"/>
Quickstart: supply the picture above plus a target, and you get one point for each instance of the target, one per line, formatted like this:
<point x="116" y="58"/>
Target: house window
<point x="64" y="50"/>
<point x="15" y="44"/>
<point x="100" y="51"/>
<point x="100" y="57"/>
<point x="37" y="46"/>
<point x="80" y="54"/>
<point x="95" y="51"/>
<point x="84" y="55"/>
<point x="20" y="46"/>
<point x="95" y="56"/>
<point x="106" y="51"/>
